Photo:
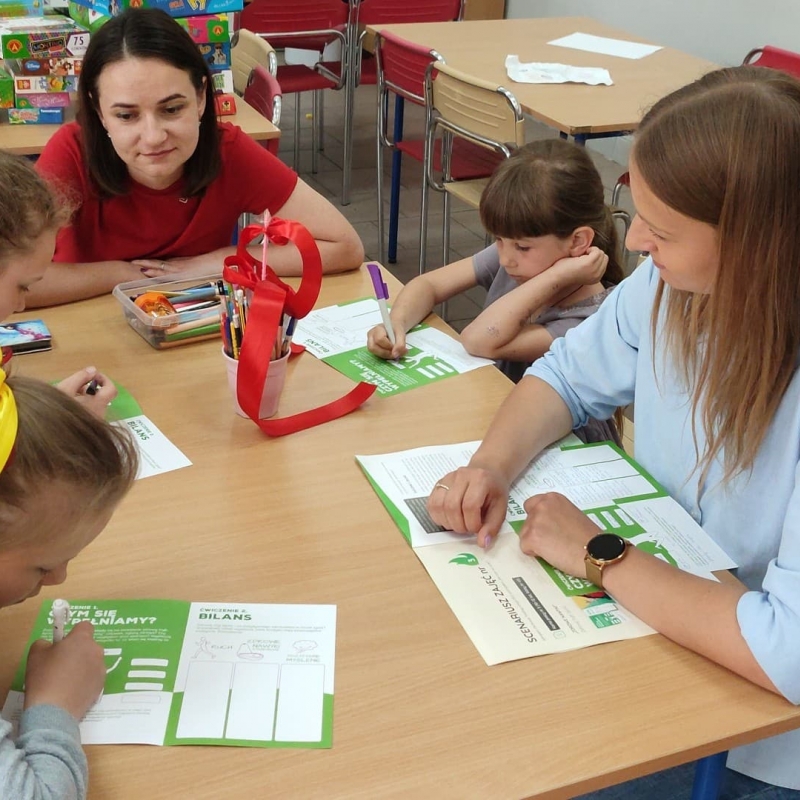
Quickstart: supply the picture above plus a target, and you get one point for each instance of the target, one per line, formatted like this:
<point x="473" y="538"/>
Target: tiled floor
<point x="467" y="235"/>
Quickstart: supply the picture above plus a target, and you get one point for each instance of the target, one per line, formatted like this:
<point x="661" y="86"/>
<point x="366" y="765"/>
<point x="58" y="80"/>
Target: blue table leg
<point x="394" y="195"/>
<point x="708" y="777"/>
<point x="580" y="139"/>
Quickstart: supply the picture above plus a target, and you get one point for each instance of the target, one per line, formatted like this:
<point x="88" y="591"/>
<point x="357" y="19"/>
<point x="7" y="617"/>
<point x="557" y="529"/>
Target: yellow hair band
<point x="8" y="420"/>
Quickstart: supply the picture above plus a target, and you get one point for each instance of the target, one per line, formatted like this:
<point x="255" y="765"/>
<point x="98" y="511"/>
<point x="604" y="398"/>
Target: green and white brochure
<point x="513" y="606"/>
<point x="338" y="336"/>
<point x="237" y="674"/>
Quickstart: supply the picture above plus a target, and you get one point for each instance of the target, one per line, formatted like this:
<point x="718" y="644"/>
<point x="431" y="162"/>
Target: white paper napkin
<point x="535" y="72"/>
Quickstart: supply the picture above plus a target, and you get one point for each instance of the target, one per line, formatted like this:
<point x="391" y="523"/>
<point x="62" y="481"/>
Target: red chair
<point x="767" y="56"/>
<point x="263" y="92"/>
<point x="364" y="71"/>
<point x="401" y="68"/>
<point x="307" y="24"/>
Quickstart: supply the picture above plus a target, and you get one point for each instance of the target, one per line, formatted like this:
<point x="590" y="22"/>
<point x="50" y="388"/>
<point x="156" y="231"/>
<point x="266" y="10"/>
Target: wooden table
<point x="479" y="48"/>
<point x="418" y="714"/>
<point x="28" y="140"/>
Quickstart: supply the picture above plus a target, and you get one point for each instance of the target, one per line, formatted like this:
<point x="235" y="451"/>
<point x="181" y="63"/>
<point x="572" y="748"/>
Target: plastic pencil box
<point x="196" y="317"/>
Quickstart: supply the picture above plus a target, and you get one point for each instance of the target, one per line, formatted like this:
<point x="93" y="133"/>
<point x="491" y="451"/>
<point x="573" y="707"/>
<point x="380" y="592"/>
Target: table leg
<point x="708" y="777"/>
<point x="394" y="196"/>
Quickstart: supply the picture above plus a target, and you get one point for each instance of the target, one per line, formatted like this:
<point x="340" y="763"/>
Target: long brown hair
<point x="28" y="207"/>
<point x="550" y="187"/>
<point x="725" y="150"/>
<point x="59" y="441"/>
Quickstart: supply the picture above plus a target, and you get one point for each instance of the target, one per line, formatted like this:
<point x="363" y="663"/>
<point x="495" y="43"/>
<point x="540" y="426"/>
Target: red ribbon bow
<point x="271" y="298"/>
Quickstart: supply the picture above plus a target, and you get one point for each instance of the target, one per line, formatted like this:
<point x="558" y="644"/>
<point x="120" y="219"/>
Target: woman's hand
<point x="93" y="390"/>
<point x="70" y="674"/>
<point x="379" y="344"/>
<point x="557" y="531"/>
<point x="206" y="264"/>
<point x="470" y="500"/>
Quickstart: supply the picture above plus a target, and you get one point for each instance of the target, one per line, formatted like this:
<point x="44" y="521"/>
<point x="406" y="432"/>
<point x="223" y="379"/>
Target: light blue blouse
<point x="608" y="361"/>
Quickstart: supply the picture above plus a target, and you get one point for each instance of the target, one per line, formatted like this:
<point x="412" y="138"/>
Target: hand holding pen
<point x="91" y="388"/>
<point x="383" y="340"/>
<point x="68" y="673"/>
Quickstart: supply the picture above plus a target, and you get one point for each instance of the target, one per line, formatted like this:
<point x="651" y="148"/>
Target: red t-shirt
<point x="149" y="223"/>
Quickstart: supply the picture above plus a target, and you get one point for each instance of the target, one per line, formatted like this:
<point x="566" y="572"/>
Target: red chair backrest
<point x="403" y="65"/>
<point x="261" y="92"/>
<point x="775" y="58"/>
<point x="282" y="17"/>
<point x="376" y="12"/>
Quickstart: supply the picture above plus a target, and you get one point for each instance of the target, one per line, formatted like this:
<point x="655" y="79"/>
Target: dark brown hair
<point x="59" y="441"/>
<point x="550" y="187"/>
<point x="144" y="33"/>
<point x="725" y="150"/>
<point x="28" y="207"/>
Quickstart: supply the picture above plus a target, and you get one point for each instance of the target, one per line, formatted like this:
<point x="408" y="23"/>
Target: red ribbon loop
<point x="271" y="299"/>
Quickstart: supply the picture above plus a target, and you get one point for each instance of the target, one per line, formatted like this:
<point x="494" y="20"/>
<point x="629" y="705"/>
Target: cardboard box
<point x="35" y="116"/>
<point x="91" y="20"/>
<point x="484" y="9"/>
<point x="208" y="27"/>
<point x="216" y="54"/>
<point x="21" y="8"/>
<point x="44" y="100"/>
<point x="46" y="66"/>
<point x="175" y="8"/>
<point x="36" y="84"/>
<point x="223" y="81"/>
<point x="42" y="37"/>
<point x="6" y="89"/>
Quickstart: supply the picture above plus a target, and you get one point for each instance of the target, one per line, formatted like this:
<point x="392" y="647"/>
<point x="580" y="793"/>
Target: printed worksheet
<point x="337" y="335"/>
<point x="157" y="454"/>
<point x="513" y="606"/>
<point x="236" y="674"/>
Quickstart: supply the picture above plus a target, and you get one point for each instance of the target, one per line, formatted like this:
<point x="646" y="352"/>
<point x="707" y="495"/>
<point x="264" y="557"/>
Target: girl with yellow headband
<point x="63" y="471"/>
<point x="30" y="217"/>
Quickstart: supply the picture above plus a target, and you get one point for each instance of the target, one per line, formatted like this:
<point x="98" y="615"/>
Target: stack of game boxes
<point x="42" y="57"/>
<point x="211" y="23"/>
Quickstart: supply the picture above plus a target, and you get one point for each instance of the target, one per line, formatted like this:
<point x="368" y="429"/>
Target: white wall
<point x="722" y="31"/>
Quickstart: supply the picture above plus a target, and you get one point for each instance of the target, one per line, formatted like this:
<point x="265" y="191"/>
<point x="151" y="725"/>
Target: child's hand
<point x="93" y="390"/>
<point x="378" y="343"/>
<point x="70" y="674"/>
<point x="586" y="269"/>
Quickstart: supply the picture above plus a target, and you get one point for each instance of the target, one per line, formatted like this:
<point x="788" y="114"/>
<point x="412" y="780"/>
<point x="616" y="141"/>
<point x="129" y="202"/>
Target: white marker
<point x="381" y="295"/>
<point x="60" y="619"/>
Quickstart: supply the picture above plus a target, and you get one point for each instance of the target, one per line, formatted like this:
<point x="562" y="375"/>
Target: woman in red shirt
<point x="156" y="181"/>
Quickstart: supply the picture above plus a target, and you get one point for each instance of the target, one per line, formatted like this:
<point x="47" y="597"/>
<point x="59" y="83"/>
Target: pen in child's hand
<point x="60" y="619"/>
<point x="382" y="295"/>
<point x="92" y="386"/>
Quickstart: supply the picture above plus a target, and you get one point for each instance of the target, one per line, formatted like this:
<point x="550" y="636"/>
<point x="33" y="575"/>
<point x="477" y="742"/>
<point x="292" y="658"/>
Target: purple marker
<point x="382" y="295"/>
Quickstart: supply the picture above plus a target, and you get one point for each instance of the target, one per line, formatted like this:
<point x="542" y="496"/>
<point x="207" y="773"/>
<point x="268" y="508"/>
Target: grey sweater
<point x="46" y="762"/>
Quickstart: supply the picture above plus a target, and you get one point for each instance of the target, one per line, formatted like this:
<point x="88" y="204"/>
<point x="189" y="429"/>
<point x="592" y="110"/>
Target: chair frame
<point x="384" y="139"/>
<point x="355" y="40"/>
<point x="298" y="38"/>
<point x="437" y="122"/>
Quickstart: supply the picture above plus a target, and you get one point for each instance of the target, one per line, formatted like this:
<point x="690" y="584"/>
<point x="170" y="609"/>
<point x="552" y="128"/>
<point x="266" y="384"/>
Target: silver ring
<point x="442" y="486"/>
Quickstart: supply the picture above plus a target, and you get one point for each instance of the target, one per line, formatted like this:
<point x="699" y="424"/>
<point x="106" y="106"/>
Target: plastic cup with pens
<point x="234" y="311"/>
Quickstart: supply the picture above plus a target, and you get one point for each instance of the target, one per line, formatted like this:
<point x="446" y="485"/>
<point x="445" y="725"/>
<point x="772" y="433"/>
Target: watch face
<point x="606" y="546"/>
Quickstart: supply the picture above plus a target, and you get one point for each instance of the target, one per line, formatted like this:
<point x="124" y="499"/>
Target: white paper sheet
<point x="607" y="47"/>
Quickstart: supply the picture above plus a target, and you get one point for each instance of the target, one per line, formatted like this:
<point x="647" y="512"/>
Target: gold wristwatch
<point x="601" y="551"/>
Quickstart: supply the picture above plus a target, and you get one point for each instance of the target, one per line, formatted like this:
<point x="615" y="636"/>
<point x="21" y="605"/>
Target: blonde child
<point x="553" y="263"/>
<point x="705" y="336"/>
<point x="30" y="217"/>
<point x="62" y="473"/>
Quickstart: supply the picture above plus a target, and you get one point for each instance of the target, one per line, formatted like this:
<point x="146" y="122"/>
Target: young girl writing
<point x="705" y="336"/>
<point x="30" y="217"/>
<point x="553" y="262"/>
<point x="62" y="473"/>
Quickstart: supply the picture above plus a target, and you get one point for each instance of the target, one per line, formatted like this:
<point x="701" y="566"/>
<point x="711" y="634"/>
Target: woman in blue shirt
<point x="705" y="337"/>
